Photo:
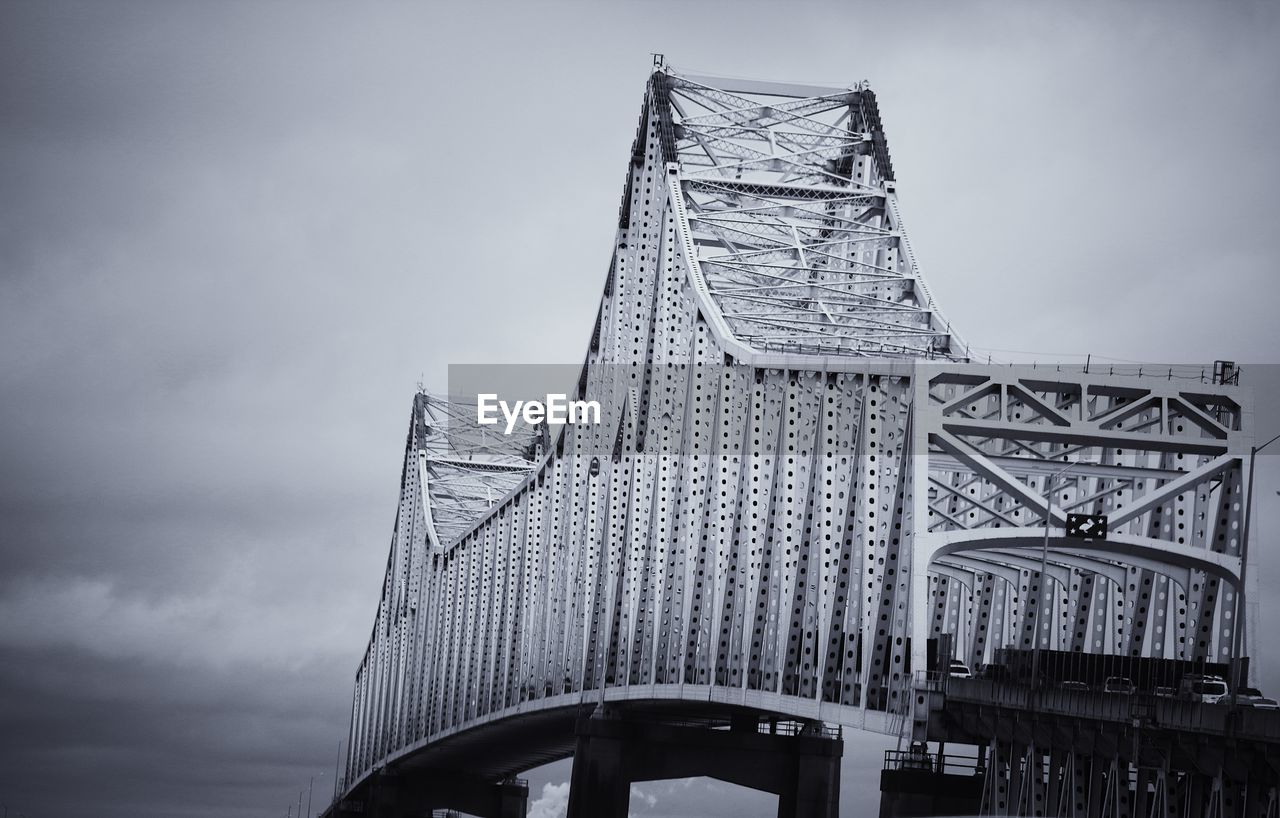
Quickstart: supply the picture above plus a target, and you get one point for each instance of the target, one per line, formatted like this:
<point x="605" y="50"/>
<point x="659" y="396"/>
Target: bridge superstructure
<point x="799" y="480"/>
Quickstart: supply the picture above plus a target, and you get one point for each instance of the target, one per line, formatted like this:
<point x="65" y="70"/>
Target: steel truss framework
<point x="799" y="480"/>
<point x="1161" y="460"/>
<point x="1024" y="779"/>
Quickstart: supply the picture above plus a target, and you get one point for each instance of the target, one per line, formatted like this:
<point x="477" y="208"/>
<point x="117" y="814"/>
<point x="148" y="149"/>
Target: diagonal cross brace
<point x="979" y="463"/>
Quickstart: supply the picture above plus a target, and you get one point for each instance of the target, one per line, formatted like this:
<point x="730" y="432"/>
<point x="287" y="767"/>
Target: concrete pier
<point x="801" y="767"/>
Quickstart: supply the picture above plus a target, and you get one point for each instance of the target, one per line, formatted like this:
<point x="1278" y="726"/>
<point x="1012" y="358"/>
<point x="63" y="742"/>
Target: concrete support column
<point x="413" y="793"/>
<point x="599" y="784"/>
<point x="613" y="752"/>
<point x="815" y="791"/>
<point x="511" y="798"/>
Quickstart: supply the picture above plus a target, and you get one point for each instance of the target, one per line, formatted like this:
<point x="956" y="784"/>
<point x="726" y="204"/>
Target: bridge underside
<point x="797" y="480"/>
<point x="1056" y="752"/>
<point x="622" y="741"/>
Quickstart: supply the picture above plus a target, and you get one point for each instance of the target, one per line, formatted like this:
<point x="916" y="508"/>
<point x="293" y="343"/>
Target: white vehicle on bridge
<point x="1203" y="689"/>
<point x="959" y="670"/>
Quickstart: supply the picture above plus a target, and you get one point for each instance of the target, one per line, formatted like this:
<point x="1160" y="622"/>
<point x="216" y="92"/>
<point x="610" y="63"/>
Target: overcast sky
<point x="233" y="237"/>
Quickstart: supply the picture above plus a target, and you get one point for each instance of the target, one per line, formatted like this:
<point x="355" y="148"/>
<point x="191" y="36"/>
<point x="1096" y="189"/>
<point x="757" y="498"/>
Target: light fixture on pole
<point x="311" y="784"/>
<point x="1237" y="633"/>
<point x="336" y="765"/>
<point x="1044" y="569"/>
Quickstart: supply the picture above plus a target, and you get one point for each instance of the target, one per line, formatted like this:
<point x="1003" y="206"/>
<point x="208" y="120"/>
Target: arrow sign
<point x="1087" y="526"/>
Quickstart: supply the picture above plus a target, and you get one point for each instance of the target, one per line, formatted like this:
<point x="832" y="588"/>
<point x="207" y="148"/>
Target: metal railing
<point x="764" y="724"/>
<point x="1144" y="709"/>
<point x="934" y="681"/>
<point x="947" y="764"/>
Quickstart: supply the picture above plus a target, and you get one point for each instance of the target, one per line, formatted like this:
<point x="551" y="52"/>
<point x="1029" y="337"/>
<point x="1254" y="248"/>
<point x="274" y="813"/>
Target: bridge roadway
<point x="798" y="481"/>
<point x="1063" y="752"/>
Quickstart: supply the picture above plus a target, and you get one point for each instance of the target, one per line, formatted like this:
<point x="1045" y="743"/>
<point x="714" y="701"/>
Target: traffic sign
<point x="1087" y="526"/>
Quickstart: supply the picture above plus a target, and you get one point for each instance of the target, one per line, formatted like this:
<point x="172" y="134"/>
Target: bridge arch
<point x="1122" y="546"/>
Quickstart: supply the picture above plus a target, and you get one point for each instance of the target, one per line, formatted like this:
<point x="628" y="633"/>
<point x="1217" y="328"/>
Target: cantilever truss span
<point x="799" y="477"/>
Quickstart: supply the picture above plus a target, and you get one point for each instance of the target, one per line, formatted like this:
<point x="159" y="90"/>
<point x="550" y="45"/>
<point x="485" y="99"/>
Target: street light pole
<point x="1044" y="571"/>
<point x="1237" y="639"/>
<point x="336" y="764"/>
<point x="311" y="784"/>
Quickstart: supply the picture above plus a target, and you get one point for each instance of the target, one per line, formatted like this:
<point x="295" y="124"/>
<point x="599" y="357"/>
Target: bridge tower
<point x="801" y="499"/>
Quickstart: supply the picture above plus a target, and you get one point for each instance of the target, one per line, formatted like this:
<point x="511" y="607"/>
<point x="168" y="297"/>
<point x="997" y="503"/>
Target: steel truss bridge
<point x="800" y="482"/>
